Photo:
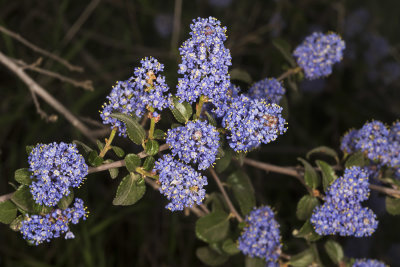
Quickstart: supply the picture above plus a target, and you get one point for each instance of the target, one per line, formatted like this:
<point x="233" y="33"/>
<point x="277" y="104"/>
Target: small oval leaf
<point x="132" y="161"/>
<point x="8" y="212"/>
<point x="311" y="177"/>
<point x="334" y="251"/>
<point x="148" y="164"/>
<point x="23" y="176"/>
<point x="130" y="190"/>
<point x="134" y="130"/>
<point x="181" y="111"/>
<point x="152" y="147"/>
<point x="210" y="257"/>
<point x="328" y="174"/>
<point x="306" y="206"/>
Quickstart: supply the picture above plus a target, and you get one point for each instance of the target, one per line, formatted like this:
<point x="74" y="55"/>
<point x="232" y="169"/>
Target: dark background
<point x="110" y="43"/>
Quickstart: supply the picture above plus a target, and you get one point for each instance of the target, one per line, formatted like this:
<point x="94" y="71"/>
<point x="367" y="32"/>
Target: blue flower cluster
<point x="377" y="141"/>
<point x="196" y="142"/>
<point x="252" y="122"/>
<point x="270" y="89"/>
<point x="205" y="62"/>
<point x="261" y="237"/>
<point x="342" y="212"/>
<point x="368" y="263"/>
<point x="147" y="88"/>
<point x="55" y="168"/>
<point x="180" y="183"/>
<point x="317" y="54"/>
<point x="38" y="229"/>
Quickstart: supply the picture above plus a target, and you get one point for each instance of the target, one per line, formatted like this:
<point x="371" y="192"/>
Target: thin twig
<point x="225" y="195"/>
<point x="176" y="25"/>
<point x="87" y="85"/>
<point x="80" y="21"/>
<point x="37" y="89"/>
<point x="291" y="171"/>
<point x="288" y="73"/>
<point x="35" y="48"/>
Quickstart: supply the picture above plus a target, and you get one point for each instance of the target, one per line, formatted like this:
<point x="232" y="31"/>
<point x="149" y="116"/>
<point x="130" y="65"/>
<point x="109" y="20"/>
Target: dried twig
<point x="87" y="85"/>
<point x="37" y="89"/>
<point x="35" y="48"/>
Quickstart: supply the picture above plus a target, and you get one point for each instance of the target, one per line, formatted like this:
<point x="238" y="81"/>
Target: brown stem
<point x="292" y="172"/>
<point x="225" y="195"/>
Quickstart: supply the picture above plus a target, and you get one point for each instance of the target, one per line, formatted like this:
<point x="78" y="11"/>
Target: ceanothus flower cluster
<point x="55" y="168"/>
<point x="317" y="54"/>
<point x="377" y="141"/>
<point x="368" y="263"/>
<point x="252" y="122"/>
<point x="270" y="89"/>
<point x="342" y="212"/>
<point x="261" y="237"/>
<point x="145" y="90"/>
<point x="38" y="229"/>
<point x="196" y="142"/>
<point x="180" y="183"/>
<point x="205" y="62"/>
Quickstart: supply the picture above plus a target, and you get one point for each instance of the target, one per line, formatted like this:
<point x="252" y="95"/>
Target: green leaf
<point x="243" y="191"/>
<point x="148" y="164"/>
<point x="356" y="159"/>
<point x="306" y="206"/>
<point x="334" y="251"/>
<point x="213" y="227"/>
<point x="211" y="119"/>
<point x="240" y="75"/>
<point x="23" y="176"/>
<point x="134" y="130"/>
<point x="15" y="225"/>
<point x="23" y="199"/>
<point x="130" y="190"/>
<point x="323" y="150"/>
<point x="230" y="247"/>
<point x="66" y="201"/>
<point x="254" y="262"/>
<point x="181" y="111"/>
<point x="285" y="49"/>
<point x="100" y="145"/>
<point x="132" y="161"/>
<point x="223" y="163"/>
<point x="159" y="134"/>
<point x="210" y="257"/>
<point x="118" y="151"/>
<point x="8" y="212"/>
<point x="307" y="232"/>
<point x="113" y="171"/>
<point x="393" y="205"/>
<point x="29" y="149"/>
<point x="303" y="259"/>
<point x="152" y="147"/>
<point x="311" y="177"/>
<point x="328" y="174"/>
<point x="94" y="159"/>
<point x="86" y="148"/>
